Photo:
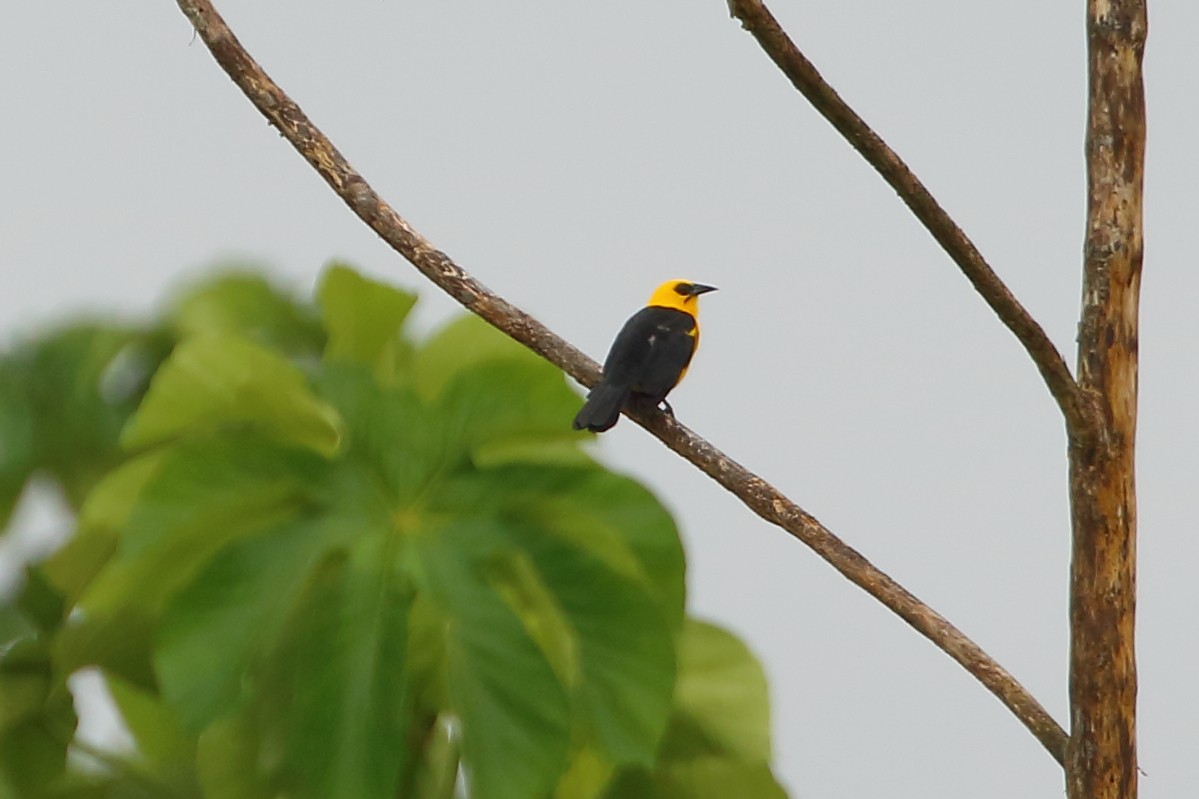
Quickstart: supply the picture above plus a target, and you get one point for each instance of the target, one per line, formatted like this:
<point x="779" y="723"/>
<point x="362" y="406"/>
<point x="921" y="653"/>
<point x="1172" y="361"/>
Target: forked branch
<point x="1081" y="421"/>
<point x="755" y="492"/>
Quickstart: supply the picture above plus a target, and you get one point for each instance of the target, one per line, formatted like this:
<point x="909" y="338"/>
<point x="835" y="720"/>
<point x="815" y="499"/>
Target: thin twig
<point x="1081" y="420"/>
<point x="755" y="492"/>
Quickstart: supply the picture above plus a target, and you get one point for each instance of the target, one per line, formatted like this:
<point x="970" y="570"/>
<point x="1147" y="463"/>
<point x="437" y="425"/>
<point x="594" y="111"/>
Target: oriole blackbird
<point x="649" y="356"/>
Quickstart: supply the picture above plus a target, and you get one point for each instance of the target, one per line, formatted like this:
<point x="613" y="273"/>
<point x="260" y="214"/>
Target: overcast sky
<point x="573" y="155"/>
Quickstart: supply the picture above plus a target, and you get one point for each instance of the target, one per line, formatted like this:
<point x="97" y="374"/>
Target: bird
<point x="649" y="357"/>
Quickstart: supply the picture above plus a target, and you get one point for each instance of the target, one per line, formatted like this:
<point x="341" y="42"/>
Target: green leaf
<point x="40" y="602"/>
<point x="241" y="302"/>
<point x="718" y="742"/>
<point x="339" y="678"/>
<point x="562" y="452"/>
<point x="508" y="403"/>
<point x="426" y="656"/>
<point x="66" y="397"/>
<point x="103" y="515"/>
<point x="36" y="722"/>
<point x="14" y="626"/>
<point x="203" y="496"/>
<point x="587" y="777"/>
<point x="618" y="521"/>
<point x="118" y="639"/>
<point x="399" y="442"/>
<point x="364" y="319"/>
<point x="583" y="588"/>
<point x="220" y="381"/>
<point x="702" y="778"/>
<point x="436" y="774"/>
<point x="514" y="712"/>
<point x="17" y="420"/>
<point x="32" y="758"/>
<point x="465" y="342"/>
<point x="611" y="517"/>
<point x="625" y="653"/>
<point x="229" y="762"/>
<point x="324" y="650"/>
<point x="717" y="778"/>
<point x="503" y="401"/>
<point x="27" y="627"/>
<point x="228" y="618"/>
<point x="161" y="739"/>
<point x="722" y="692"/>
<point x="24" y="684"/>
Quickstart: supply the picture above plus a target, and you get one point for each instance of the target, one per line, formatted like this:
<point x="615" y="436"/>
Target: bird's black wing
<point x="651" y="351"/>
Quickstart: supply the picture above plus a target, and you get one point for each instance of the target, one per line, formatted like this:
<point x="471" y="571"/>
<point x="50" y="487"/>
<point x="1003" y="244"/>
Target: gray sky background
<point x="573" y="155"/>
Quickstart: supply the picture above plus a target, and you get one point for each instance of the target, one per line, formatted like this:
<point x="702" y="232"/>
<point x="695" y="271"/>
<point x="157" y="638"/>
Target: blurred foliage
<point x="316" y="558"/>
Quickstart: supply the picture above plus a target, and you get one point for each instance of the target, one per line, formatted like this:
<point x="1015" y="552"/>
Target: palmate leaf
<point x="17" y="437"/>
<point x="203" y="496"/>
<point x="312" y="636"/>
<point x="465" y="342"/>
<point x="364" y="319"/>
<point x="514" y="711"/>
<point x="64" y="398"/>
<point x="502" y="403"/>
<point x="709" y="777"/>
<point x="33" y="755"/>
<point x="310" y="569"/>
<point x="225" y="621"/>
<point x="539" y="619"/>
<point x="502" y="725"/>
<point x="103" y="515"/>
<point x="722" y="694"/>
<point x="614" y="519"/>
<point x="66" y="395"/>
<point x="718" y="742"/>
<point x="221" y="381"/>
<point x="625" y="655"/>
<point x="228" y="760"/>
<point x="36" y="720"/>
<point x="336" y="689"/>
<point x="87" y="379"/>
<point x="392" y="482"/>
<point x="505" y="402"/>
<point x="395" y="443"/>
<point x="565" y="598"/>
<point x="584" y="594"/>
<point x="239" y="301"/>
<point x="164" y="747"/>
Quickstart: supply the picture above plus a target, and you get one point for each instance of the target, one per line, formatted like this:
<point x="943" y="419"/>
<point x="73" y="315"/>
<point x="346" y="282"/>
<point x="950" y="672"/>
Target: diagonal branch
<point x="755" y="492"/>
<point x="1081" y="420"/>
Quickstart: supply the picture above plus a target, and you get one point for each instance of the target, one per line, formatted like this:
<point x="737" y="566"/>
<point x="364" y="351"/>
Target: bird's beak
<point x="700" y="288"/>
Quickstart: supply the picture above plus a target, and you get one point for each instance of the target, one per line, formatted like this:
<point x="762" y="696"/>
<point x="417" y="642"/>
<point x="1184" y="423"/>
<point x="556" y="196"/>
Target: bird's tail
<point x="602" y="408"/>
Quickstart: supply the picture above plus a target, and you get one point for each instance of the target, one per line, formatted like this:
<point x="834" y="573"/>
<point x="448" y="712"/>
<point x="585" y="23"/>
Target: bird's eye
<point x="683" y="288"/>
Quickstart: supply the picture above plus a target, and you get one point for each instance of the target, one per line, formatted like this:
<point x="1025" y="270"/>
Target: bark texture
<point x="1101" y="757"/>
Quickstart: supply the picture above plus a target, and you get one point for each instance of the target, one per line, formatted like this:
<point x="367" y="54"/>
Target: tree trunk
<point x="1101" y="757"/>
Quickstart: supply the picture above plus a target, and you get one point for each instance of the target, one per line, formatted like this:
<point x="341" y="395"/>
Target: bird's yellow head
<point x="681" y="295"/>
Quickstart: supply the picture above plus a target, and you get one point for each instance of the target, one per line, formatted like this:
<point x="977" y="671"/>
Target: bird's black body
<point x="647" y="359"/>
